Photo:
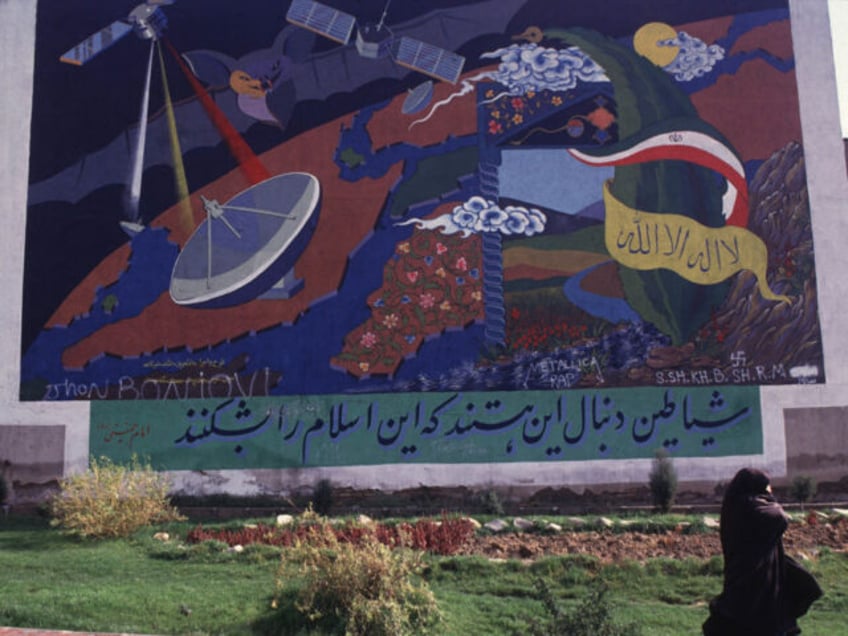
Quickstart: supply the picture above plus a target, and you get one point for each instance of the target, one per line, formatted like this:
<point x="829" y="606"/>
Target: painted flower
<point x="477" y="295"/>
<point x="490" y="93"/>
<point x="364" y="366"/>
<point x="441" y="273"/>
<point x="445" y="306"/>
<point x="556" y="100"/>
<point x="517" y="103"/>
<point x="368" y="339"/>
<point x="426" y="300"/>
<point x="461" y="264"/>
<point x="494" y="127"/>
<point x="390" y="321"/>
<point x="517" y="118"/>
<point x="403" y="248"/>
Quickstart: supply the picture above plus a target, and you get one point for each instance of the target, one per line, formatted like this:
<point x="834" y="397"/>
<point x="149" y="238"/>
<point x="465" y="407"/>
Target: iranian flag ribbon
<point x="694" y="146"/>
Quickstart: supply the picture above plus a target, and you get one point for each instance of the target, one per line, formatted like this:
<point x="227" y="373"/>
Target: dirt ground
<point x="801" y="539"/>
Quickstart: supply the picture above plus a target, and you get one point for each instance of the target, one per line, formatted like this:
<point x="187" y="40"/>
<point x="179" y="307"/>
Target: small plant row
<point x="445" y="537"/>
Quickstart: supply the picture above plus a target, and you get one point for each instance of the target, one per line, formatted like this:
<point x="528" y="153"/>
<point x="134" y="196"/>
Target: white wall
<point x="17" y="34"/>
<point x="828" y="196"/>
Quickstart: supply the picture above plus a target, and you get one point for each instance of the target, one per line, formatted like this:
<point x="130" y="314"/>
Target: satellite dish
<point x="247" y="247"/>
<point x="418" y="98"/>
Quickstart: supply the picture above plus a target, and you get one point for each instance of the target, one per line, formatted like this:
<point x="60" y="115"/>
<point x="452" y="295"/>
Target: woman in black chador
<point x="764" y="590"/>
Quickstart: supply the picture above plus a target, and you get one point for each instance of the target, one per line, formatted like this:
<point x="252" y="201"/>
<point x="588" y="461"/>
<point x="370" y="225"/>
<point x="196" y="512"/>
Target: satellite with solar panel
<point x="147" y="20"/>
<point x="376" y="41"/>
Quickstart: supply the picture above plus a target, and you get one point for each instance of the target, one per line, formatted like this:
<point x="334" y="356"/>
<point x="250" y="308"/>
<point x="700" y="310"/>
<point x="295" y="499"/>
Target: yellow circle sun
<point x="646" y="42"/>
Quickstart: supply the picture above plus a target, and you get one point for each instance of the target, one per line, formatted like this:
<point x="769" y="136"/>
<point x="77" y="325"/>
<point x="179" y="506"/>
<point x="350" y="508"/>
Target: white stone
<point x="496" y="525"/>
<point x="284" y="520"/>
<point x="523" y="524"/>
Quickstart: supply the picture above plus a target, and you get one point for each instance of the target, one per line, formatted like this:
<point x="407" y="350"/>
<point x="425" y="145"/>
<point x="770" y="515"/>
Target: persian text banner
<point x="460" y="427"/>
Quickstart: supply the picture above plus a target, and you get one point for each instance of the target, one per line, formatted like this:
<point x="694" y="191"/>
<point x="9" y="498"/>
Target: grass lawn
<point x="51" y="580"/>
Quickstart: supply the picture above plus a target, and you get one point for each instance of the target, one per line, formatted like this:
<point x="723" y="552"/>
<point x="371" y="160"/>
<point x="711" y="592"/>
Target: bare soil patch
<point x="618" y="545"/>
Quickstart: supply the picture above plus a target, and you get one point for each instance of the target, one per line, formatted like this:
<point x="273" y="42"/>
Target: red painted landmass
<point x="531" y="272"/>
<point x="604" y="280"/>
<point x="709" y="30"/>
<point x="391" y="126"/>
<point x="79" y="302"/>
<point x="757" y="108"/>
<point x="775" y="38"/>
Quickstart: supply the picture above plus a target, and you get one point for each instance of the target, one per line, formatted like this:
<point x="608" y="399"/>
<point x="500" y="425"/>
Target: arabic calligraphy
<point x="184" y="364"/>
<point x="704" y="255"/>
<point x="126" y="434"/>
<point x="454" y="427"/>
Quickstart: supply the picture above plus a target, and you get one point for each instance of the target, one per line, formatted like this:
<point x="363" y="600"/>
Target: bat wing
<point x="111" y="163"/>
<point x="211" y="67"/>
<point x="343" y="70"/>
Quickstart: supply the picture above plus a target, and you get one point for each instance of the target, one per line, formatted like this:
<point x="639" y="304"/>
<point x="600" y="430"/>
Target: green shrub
<point x="366" y="588"/>
<point x="802" y="489"/>
<point x="4" y="489"/>
<point x="591" y="617"/>
<point x="491" y="503"/>
<point x="663" y="481"/>
<point x="112" y="500"/>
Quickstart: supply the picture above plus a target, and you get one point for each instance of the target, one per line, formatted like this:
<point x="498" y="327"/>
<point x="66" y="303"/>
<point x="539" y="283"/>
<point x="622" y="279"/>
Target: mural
<point x="391" y="207"/>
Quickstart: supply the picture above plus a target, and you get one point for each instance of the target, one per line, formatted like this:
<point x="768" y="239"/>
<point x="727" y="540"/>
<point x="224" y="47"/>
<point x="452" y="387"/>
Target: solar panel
<point x="96" y="43"/>
<point x="321" y="19"/>
<point x="428" y="59"/>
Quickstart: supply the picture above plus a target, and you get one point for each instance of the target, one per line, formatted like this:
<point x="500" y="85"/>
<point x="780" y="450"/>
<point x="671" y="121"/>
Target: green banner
<point x="454" y="428"/>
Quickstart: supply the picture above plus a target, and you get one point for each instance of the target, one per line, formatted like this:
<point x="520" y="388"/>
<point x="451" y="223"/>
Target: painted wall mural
<point x="368" y="202"/>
